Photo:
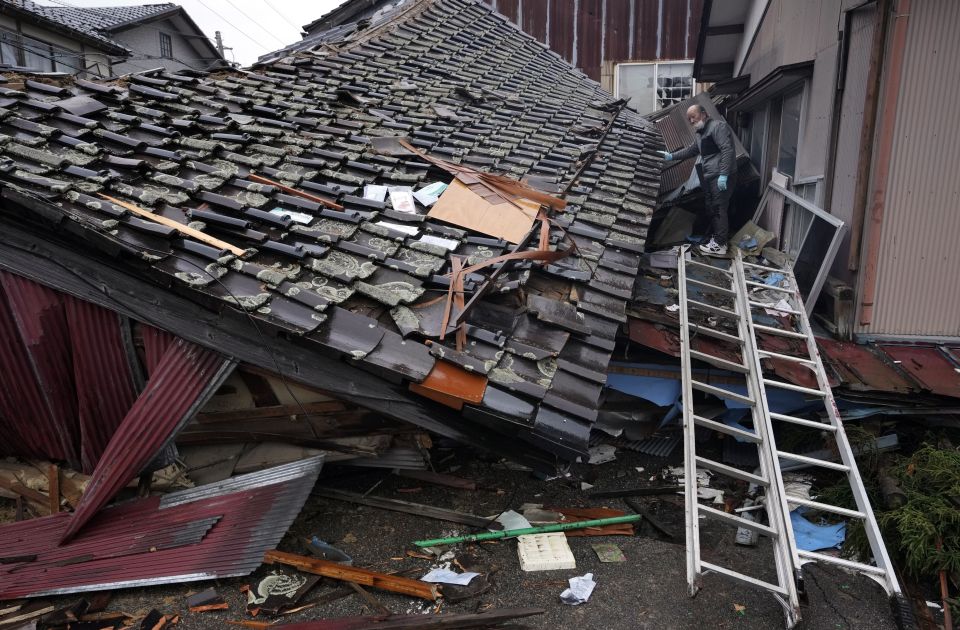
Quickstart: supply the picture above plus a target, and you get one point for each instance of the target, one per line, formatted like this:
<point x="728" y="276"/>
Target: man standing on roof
<point x="717" y="169"/>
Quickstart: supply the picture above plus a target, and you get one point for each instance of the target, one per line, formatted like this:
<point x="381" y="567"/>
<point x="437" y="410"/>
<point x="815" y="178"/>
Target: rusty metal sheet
<point x="673" y="41"/>
<point x="616" y="39"/>
<point x="861" y="368"/>
<point x="561" y="18"/>
<point x="182" y="382"/>
<point x="213" y="531"/>
<point x="36" y="378"/>
<point x="451" y="385"/>
<point x="105" y="387"/>
<point x="645" y="36"/>
<point x="933" y="368"/>
<point x="589" y="39"/>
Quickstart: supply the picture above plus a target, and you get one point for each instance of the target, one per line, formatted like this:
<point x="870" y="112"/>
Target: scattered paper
<point x="402" y="201"/>
<point x="446" y="576"/>
<point x="512" y="520"/>
<point x="780" y="308"/>
<point x="581" y="587"/>
<point x="299" y="217"/>
<point x="397" y="227"/>
<point x="447" y="243"/>
<point x="672" y="308"/>
<point x="428" y="195"/>
<point x="608" y="552"/>
<point x="374" y="192"/>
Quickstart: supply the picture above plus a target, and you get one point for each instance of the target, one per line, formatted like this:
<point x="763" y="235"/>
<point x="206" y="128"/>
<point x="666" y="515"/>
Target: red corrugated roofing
<point x="935" y="369"/>
<point x="213" y="531"/>
<point x="105" y="389"/>
<point x="185" y="375"/>
<point x="36" y="373"/>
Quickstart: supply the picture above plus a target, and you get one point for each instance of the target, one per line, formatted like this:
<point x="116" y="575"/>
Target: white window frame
<point x="656" y="74"/>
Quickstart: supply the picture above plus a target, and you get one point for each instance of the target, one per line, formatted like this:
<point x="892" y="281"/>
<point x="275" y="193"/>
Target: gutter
<point x="881" y="174"/>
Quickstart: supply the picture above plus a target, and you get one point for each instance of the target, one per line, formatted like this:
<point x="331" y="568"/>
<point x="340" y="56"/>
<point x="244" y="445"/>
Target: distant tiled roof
<point x="69" y="24"/>
<point x="102" y="19"/>
<point x="465" y="86"/>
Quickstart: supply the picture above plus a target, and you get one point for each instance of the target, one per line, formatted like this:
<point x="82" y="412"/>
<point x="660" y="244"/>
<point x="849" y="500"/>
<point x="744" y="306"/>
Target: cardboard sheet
<point x="477" y="208"/>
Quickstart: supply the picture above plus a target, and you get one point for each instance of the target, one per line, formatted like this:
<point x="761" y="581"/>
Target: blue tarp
<point x="811" y="537"/>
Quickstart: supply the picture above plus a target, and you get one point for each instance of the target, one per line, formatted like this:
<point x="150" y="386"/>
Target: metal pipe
<point x="881" y="173"/>
<point x="867" y="133"/>
<point x="543" y="529"/>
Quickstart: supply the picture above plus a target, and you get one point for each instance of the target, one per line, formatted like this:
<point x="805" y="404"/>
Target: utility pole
<point x="219" y="45"/>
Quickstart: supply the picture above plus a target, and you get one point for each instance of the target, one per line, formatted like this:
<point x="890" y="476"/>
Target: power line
<point x="240" y="30"/>
<point x="230" y="2"/>
<point x="282" y="16"/>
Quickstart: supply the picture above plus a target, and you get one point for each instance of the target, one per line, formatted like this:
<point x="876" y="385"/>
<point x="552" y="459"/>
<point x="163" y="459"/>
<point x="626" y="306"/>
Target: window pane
<point x="166" y="46"/>
<point x="636" y="82"/>
<point x="758" y="130"/>
<point x="36" y="55"/>
<point x="789" y="134"/>
<point x="674" y="83"/>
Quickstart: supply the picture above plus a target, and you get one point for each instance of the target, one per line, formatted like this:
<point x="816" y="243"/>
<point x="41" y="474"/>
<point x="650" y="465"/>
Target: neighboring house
<point x="642" y="49"/>
<point x="102" y="41"/>
<point x="847" y="98"/>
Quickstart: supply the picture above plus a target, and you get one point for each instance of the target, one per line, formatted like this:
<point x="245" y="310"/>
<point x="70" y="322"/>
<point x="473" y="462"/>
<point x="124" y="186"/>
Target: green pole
<point x="510" y="533"/>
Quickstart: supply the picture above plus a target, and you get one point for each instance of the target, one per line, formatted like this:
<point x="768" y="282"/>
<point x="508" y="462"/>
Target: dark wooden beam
<point x="714" y="71"/>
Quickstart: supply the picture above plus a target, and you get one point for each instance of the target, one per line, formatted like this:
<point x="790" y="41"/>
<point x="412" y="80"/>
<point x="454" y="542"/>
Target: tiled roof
<point x="465" y="86"/>
<point x="71" y="22"/>
<point x="102" y="19"/>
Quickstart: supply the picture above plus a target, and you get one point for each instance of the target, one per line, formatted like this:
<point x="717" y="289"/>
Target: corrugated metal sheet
<point x="918" y="292"/>
<point x="104" y="383"/>
<point x="588" y="33"/>
<point x="183" y="381"/>
<point x="935" y="368"/>
<point x="35" y="371"/>
<point x="213" y="531"/>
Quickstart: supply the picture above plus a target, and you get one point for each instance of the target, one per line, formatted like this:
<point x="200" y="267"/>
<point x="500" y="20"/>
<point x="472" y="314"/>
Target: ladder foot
<point x="903" y="612"/>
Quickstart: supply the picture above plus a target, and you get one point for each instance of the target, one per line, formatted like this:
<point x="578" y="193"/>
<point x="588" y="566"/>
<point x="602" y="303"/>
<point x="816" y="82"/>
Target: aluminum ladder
<point x="832" y="433"/>
<point x="788" y="559"/>
<point x="728" y="284"/>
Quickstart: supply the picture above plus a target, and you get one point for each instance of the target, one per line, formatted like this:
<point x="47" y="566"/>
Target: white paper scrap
<point x="402" y="201"/>
<point x="397" y="227"/>
<point x="298" y="217"/>
<point x="446" y="576"/>
<point x="581" y="587"/>
<point x="446" y="243"/>
<point x="377" y="193"/>
<point x="435" y="189"/>
<point x="512" y="520"/>
<point x="425" y="198"/>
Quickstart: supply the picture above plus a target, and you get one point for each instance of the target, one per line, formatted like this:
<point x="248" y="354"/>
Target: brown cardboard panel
<point x="484" y="212"/>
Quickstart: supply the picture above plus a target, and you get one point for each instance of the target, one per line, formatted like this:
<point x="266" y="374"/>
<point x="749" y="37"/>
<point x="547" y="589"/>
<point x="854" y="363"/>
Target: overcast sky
<point x="251" y="27"/>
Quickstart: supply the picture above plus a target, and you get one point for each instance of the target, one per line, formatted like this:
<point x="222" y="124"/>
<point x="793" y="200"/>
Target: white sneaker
<point x="713" y="248"/>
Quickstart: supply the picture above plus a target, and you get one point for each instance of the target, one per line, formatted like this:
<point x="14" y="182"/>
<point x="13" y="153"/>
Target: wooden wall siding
<point x="593" y="33"/>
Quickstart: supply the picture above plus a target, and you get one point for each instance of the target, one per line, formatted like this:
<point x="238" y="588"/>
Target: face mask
<point x="699" y="125"/>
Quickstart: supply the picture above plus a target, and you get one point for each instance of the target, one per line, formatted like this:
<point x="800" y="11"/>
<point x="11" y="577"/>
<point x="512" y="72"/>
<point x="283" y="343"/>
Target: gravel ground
<point x="647" y="591"/>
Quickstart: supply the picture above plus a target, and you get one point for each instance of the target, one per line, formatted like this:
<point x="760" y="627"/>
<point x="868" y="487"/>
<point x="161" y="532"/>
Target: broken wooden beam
<point x="650" y="518"/>
<point x="438" y="479"/>
<point x="53" y="487"/>
<point x="365" y="577"/>
<point x="407" y="507"/>
<point x="419" y="622"/>
<point x="643" y="491"/>
<point x="544" y="529"/>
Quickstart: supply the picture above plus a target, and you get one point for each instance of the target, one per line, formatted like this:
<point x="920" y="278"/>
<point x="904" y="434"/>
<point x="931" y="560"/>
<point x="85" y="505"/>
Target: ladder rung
<point x="716" y="361"/>
<point x="697" y="263"/>
<point x="763" y="267"/>
<point x="721" y="393"/>
<point x="766" y="354"/>
<point x="774" y="307"/>
<point x="779" y="331"/>
<point x="813" y="461"/>
<point x="761" y="285"/>
<point x="738" y="521"/>
<point x="825" y="507"/>
<point x="803" y="422"/>
<point x="740" y="577"/>
<point x="730" y="471"/>
<point x="712" y="287"/>
<point x="842" y="562"/>
<point x="794" y="388"/>
<point x="716" y="334"/>
<point x="703" y="306"/>
<point x="723" y="428"/>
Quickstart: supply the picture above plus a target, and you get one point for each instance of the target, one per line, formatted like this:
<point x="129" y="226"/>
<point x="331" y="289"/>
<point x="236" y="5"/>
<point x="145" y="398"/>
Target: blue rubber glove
<point x="722" y="182"/>
<point x="667" y="156"/>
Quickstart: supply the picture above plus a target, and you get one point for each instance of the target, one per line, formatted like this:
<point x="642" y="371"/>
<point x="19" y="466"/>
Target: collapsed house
<point x="162" y="230"/>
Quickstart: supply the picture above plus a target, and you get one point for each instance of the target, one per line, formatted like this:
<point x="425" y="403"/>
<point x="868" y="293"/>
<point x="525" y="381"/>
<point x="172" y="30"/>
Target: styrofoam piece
<point x="545" y="552"/>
